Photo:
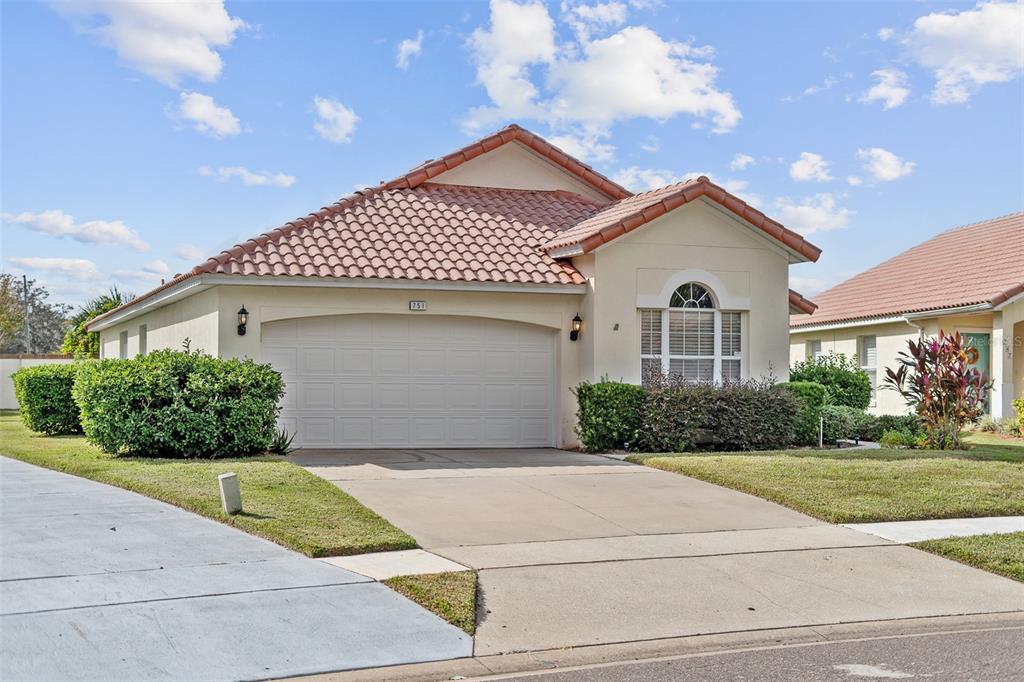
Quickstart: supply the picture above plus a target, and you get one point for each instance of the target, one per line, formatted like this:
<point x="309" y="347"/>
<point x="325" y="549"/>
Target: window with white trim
<point x="869" y="362"/>
<point x="142" y="339"/>
<point x="813" y="350"/>
<point x="122" y="345"/>
<point x="692" y="338"/>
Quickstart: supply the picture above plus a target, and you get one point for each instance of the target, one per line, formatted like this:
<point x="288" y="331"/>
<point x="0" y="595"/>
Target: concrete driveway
<point x="575" y="549"/>
<point x="97" y="583"/>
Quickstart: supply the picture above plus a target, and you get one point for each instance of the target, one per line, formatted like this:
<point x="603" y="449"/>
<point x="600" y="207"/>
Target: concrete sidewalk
<point x="98" y="583"/>
<point x="905" y="532"/>
<point x="580" y="550"/>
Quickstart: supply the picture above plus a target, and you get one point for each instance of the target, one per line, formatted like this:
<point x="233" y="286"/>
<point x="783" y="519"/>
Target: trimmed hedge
<point x="44" y="398"/>
<point x="179" y="404"/>
<point x="844" y="381"/>
<point x="676" y="416"/>
<point x="608" y="415"/>
<point x="811" y="398"/>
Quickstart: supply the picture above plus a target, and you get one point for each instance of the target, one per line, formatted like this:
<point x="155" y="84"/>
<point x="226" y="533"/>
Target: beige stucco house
<point x="458" y="304"/>
<point x="969" y="279"/>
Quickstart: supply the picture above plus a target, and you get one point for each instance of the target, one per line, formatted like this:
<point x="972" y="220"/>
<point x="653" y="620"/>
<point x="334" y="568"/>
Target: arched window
<point x="691" y="337"/>
<point x="691" y="295"/>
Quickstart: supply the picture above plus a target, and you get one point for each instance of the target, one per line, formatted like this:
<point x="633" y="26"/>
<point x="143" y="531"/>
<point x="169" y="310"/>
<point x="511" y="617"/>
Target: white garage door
<point x="357" y="381"/>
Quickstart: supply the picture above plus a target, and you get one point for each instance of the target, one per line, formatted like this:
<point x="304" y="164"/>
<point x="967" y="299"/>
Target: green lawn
<point x="450" y="595"/>
<point x="1002" y="553"/>
<point x="846" y="486"/>
<point x="281" y="501"/>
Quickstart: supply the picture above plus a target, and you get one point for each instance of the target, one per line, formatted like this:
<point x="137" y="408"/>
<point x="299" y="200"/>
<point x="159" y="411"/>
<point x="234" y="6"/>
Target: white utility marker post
<point x="821" y="432"/>
<point x="230" y="494"/>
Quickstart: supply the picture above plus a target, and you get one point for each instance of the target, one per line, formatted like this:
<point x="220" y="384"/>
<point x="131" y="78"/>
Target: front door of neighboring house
<point x="982" y="358"/>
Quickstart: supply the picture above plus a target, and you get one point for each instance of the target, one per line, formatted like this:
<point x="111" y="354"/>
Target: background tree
<point x="81" y="343"/>
<point x="36" y="328"/>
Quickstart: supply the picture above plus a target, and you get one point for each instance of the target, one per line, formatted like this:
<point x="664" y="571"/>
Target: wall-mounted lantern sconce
<point x="577" y="325"/>
<point x="243" y="319"/>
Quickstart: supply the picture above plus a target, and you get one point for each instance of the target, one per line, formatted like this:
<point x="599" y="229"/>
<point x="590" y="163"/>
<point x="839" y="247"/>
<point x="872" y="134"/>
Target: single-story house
<point x="460" y="303"/>
<point x="968" y="279"/>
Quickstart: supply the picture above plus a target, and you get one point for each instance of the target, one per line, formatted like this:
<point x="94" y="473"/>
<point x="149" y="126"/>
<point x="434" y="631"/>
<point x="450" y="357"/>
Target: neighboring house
<point x="12" y="362"/>
<point x="969" y="279"/>
<point x="459" y="304"/>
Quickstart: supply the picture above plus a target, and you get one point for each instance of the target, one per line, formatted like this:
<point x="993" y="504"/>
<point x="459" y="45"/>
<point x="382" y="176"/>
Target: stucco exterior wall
<point x="194" y="318"/>
<point x="513" y="166"/>
<point x="695" y="242"/>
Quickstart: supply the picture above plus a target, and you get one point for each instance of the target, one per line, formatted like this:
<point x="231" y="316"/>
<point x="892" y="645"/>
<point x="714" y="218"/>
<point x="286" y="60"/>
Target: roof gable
<point x="633" y="212"/>
<point x="977" y="264"/>
<point x="432" y="169"/>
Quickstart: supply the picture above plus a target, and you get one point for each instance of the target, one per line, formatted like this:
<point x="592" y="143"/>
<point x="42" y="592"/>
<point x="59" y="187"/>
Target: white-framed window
<point x="122" y="345"/>
<point x="868" y="355"/>
<point x="814" y="350"/>
<point x="692" y="337"/>
<point x="142" y="339"/>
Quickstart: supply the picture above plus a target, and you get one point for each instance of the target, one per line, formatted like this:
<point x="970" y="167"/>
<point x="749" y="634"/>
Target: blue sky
<point x="139" y="139"/>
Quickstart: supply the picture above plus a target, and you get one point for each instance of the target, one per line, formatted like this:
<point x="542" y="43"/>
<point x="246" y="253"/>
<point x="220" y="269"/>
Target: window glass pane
<point x="873" y="376"/>
<point x="815" y="350"/>
<point x="730" y="370"/>
<point x="650" y="332"/>
<point x="693" y="370"/>
<point x="691" y="333"/>
<point x="731" y="334"/>
<point x="868" y="352"/>
<point x="142" y="339"/>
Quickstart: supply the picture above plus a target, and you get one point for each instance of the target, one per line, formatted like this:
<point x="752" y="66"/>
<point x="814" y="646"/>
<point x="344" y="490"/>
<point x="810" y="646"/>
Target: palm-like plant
<point x="937" y="380"/>
<point x="81" y="343"/>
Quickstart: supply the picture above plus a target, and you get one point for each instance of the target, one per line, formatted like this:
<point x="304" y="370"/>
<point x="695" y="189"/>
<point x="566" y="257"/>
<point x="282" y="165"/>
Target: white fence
<point x="9" y="364"/>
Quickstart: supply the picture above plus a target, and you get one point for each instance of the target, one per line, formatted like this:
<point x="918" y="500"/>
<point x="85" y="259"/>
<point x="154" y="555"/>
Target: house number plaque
<point x="417" y="305"/>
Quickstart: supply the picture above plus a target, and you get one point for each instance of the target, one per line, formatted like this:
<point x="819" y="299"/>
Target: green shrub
<point x="841" y="422"/>
<point x="900" y="422"/>
<point x="901" y="438"/>
<point x="752" y="415"/>
<point x="608" y="415"/>
<point x="845" y="383"/>
<point x="179" y="404"/>
<point x="1018" y="405"/>
<point x="44" y="398"/>
<point x="811" y="398"/>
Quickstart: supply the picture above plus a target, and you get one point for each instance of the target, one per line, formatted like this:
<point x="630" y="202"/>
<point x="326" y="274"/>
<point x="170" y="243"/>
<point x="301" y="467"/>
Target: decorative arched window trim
<point x="724" y="299"/>
<point x="693" y="295"/>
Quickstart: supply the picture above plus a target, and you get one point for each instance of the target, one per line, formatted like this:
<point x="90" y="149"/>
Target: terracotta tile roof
<point x="970" y="265"/>
<point x="798" y="305"/>
<point x="630" y="213"/>
<point x="432" y="232"/>
<point x="512" y="133"/>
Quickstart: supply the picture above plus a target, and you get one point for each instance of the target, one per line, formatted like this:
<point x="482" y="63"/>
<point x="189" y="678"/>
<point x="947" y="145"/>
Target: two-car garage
<point x="413" y="380"/>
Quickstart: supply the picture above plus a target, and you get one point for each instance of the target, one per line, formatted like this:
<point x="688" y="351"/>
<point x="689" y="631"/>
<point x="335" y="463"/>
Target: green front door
<point x="981" y="343"/>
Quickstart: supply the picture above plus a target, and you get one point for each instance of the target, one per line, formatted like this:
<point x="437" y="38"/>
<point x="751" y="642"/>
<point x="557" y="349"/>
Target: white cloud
<point x="585" y="20"/>
<point x="407" y="49"/>
<point x="854" y="181"/>
<point x="248" y="177"/>
<point x="335" y="122"/>
<point x="643" y="179"/>
<point x="810" y="167"/>
<point x="741" y="162"/>
<point x="968" y="49"/>
<point x="651" y="144"/>
<point x="60" y="224"/>
<point x="883" y="165"/>
<point x="153" y="271"/>
<point x="891" y="89"/>
<point x="164" y="40"/>
<point x="589" y="84"/>
<point x="809" y="286"/>
<point x="207" y="116"/>
<point x="819" y="213"/>
<point x="189" y="252"/>
<point x="75" y="268"/>
<point x="586" y="145"/>
<point x="886" y="33"/>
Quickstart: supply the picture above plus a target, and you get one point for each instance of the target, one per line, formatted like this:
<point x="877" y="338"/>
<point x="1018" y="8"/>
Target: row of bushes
<point x="166" y="404"/>
<point x="668" y="414"/>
